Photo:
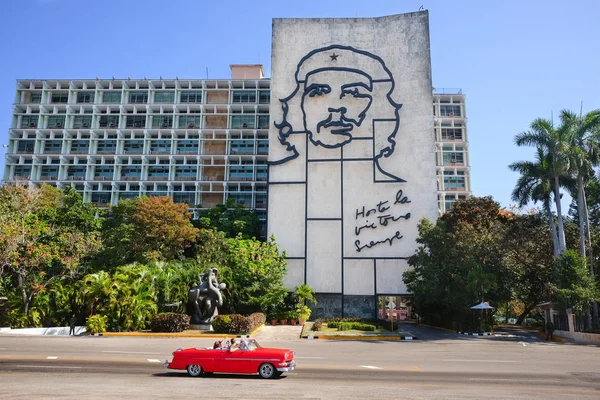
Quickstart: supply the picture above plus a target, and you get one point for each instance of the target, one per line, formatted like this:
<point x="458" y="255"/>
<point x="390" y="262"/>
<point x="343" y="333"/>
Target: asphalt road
<point x="443" y="366"/>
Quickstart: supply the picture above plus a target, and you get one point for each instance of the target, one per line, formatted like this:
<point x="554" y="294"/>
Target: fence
<point x="581" y="323"/>
<point x="561" y="322"/>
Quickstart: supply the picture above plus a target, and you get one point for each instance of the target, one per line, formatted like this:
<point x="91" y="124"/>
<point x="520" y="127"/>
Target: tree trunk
<point x="24" y="297"/>
<point x="552" y="227"/>
<point x="586" y="215"/>
<point x="561" y="229"/>
<point x="581" y="214"/>
<point x="526" y="312"/>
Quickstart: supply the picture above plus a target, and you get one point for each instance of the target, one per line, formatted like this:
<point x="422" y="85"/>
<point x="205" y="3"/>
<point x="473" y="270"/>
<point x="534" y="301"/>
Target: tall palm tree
<point x="535" y="184"/>
<point x="585" y="155"/>
<point x="554" y="142"/>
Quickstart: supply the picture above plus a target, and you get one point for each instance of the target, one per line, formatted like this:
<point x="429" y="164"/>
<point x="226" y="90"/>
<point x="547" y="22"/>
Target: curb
<point x="344" y="337"/>
<point x="556" y="339"/>
<point x="475" y="334"/>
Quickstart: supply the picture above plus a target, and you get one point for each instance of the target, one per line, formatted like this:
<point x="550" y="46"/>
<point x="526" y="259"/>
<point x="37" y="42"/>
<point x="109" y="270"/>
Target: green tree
<point x="231" y="218"/>
<point x="459" y="260"/>
<point x="576" y="287"/>
<point x="254" y="275"/>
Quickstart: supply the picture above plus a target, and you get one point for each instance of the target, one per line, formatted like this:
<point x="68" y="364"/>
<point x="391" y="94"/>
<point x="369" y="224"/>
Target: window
<point x="56" y="121"/>
<point x="29" y="121"/>
<point x="111" y="121"/>
<point x="450" y="111"/>
<point x="186" y="173"/>
<point x="162" y="121"/>
<point x="189" y="122"/>
<point x="80" y="146"/>
<point x="264" y="97"/>
<point x="156" y="172"/>
<point x="242" y="146"/>
<point x="81" y="121"/>
<point x="100" y="197"/>
<point x="451" y="134"/>
<point x="128" y="195"/>
<point x="454" y="181"/>
<point x="160" y="146"/>
<point x="131" y="172"/>
<point x="36" y="98"/>
<point x="76" y="173"/>
<point x="261" y="173"/>
<point x="449" y="202"/>
<point x="263" y="146"/>
<point x="263" y="122"/>
<point x="138" y="97"/>
<point x="164" y="97"/>
<point x="85" y="97"/>
<point x="243" y="172"/>
<point x="191" y="97"/>
<point x="52" y="146"/>
<point x="187" y="198"/>
<point x="111" y="97"/>
<point x="244" y="96"/>
<point x="22" y="171"/>
<point x="453" y="158"/>
<point x="135" y="121"/>
<point x="60" y="97"/>
<point x="241" y="198"/>
<point x="243" y="121"/>
<point x="187" y="146"/>
<point x="104" y="173"/>
<point x="133" y="146"/>
<point x="49" y="173"/>
<point x="107" y="146"/>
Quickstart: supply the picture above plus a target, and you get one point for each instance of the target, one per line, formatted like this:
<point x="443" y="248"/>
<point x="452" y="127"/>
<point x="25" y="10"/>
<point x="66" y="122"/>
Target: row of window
<point x="136" y="146"/>
<point x="141" y="97"/>
<point x="139" y="121"/>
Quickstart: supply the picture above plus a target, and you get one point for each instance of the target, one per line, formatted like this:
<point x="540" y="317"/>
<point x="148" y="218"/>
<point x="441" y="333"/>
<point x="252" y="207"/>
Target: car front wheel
<point x="194" y="370"/>
<point x="267" y="371"/>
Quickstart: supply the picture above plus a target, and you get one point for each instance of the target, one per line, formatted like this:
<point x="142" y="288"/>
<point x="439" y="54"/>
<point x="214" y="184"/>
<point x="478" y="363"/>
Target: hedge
<point x="170" y="322"/>
<point x="235" y="323"/>
<point x="346" y="326"/>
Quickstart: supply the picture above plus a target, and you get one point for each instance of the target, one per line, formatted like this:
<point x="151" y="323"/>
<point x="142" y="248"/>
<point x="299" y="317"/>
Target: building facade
<point x="345" y="124"/>
<point x="199" y="141"/>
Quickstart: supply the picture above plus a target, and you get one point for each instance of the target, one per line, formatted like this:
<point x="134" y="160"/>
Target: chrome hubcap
<point x="267" y="370"/>
<point x="194" y="369"/>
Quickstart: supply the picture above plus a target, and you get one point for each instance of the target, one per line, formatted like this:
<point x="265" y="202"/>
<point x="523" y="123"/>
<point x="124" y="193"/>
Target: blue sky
<point x="515" y="60"/>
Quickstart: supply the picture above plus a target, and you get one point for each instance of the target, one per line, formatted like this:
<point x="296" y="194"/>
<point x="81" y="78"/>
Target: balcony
<point x="76" y="178"/>
<point x="130" y="178"/>
<point x="49" y="178"/>
<point x="185" y="178"/>
<point x="102" y="178"/>
<point x="158" y="178"/>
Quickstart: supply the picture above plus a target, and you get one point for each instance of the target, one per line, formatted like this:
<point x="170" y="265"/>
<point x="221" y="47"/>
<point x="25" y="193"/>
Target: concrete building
<point x="452" y="159"/>
<point x="356" y="154"/>
<point x="200" y="141"/>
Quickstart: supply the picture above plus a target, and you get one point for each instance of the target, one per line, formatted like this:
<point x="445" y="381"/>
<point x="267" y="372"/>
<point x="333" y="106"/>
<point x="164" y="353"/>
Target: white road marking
<point x="46" y="366"/>
<point x="153" y="360"/>
<point x="370" y="367"/>
<point x="51" y="357"/>
<point x="314" y="358"/>
<point x="129" y="352"/>
<point x="3" y="348"/>
<point x="523" y="343"/>
<point x="490" y="361"/>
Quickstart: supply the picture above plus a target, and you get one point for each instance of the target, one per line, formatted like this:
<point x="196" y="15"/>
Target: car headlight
<point x="286" y="355"/>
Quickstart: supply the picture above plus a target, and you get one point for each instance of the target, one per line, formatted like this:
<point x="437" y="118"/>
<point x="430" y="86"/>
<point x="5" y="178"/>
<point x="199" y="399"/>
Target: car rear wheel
<point x="267" y="371"/>
<point x="194" y="370"/>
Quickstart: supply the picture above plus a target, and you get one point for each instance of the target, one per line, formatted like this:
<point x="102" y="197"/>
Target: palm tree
<point x="585" y="155"/>
<point x="554" y="142"/>
<point x="535" y="184"/>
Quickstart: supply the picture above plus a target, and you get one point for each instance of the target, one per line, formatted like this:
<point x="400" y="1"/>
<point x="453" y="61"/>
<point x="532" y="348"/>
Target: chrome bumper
<point x="289" y="368"/>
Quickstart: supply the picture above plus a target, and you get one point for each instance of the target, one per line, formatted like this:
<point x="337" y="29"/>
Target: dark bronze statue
<point x="204" y="298"/>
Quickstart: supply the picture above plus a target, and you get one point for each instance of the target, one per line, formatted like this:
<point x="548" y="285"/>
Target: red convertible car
<point x="245" y="356"/>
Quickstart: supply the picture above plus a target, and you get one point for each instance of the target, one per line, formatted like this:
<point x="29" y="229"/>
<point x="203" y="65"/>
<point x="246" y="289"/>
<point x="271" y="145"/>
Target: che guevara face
<point x="334" y="103"/>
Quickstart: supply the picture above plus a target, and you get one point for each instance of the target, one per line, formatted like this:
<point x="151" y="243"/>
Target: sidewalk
<point x="278" y="332"/>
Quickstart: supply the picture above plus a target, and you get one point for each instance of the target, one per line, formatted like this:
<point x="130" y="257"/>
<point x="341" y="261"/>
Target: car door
<point x="235" y="361"/>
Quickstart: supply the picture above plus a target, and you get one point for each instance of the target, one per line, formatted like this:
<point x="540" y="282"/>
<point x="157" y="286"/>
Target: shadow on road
<point x="183" y="374"/>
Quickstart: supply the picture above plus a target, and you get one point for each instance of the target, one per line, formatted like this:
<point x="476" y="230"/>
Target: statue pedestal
<point x="201" y="327"/>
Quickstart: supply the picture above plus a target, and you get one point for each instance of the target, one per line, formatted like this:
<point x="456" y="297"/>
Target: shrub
<point x="170" y="322"/>
<point x="96" y="324"/>
<point x="256" y="320"/>
<point x="348" y="325"/>
<point x="317" y="325"/>
<point x="235" y="323"/>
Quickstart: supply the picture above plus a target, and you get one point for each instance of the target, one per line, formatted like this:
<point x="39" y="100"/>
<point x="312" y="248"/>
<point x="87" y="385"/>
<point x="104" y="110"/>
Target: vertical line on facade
<point x="306" y="212"/>
<point x="342" y="221"/>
